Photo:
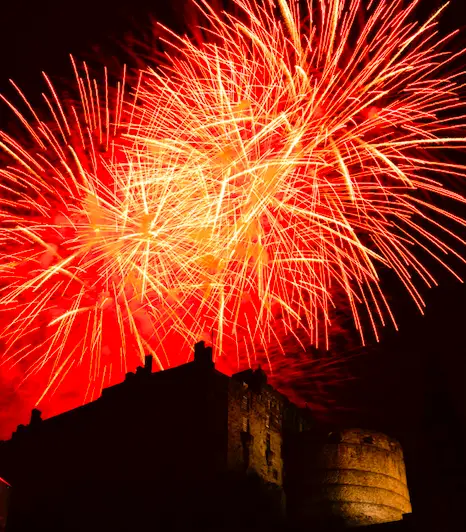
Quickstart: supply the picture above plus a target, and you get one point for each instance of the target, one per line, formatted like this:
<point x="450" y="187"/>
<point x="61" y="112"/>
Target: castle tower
<point x="353" y="477"/>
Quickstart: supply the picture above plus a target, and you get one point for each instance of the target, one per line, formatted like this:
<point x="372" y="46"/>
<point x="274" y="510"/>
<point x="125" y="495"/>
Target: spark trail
<point x="310" y="141"/>
<point x="245" y="190"/>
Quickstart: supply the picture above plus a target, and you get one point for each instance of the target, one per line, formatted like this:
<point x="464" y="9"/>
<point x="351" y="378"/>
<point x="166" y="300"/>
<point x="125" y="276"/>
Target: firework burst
<point x="73" y="230"/>
<point x="310" y="137"/>
<point x="247" y="185"/>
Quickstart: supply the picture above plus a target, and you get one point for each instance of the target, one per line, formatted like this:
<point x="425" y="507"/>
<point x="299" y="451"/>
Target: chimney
<point x="35" y="417"/>
<point x="146" y="370"/>
<point x="203" y="355"/>
<point x="20" y="429"/>
<point x="148" y="363"/>
<point x="259" y="377"/>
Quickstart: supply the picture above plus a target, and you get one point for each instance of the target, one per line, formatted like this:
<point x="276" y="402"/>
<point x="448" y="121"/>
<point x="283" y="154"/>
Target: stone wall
<point x="356" y="477"/>
<point x="192" y="444"/>
<point x="255" y="430"/>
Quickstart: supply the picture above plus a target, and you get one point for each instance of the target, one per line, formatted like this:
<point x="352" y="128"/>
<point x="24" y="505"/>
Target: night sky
<point x="413" y="384"/>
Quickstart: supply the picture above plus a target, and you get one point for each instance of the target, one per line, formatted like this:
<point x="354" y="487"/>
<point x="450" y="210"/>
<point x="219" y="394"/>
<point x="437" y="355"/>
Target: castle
<point x="193" y="448"/>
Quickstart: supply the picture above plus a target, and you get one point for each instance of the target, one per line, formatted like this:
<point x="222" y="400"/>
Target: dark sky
<point x="414" y="384"/>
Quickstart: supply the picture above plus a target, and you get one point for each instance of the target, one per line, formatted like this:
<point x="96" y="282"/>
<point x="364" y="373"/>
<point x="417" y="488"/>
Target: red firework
<point x="247" y="183"/>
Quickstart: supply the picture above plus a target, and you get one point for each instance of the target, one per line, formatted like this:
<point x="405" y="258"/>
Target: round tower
<point x="352" y="477"/>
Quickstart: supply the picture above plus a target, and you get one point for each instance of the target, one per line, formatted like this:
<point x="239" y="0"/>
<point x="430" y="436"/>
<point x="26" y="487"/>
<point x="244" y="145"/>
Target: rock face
<point x="353" y="477"/>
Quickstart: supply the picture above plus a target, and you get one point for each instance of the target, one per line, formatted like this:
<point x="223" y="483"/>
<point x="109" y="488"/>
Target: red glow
<point x="231" y="195"/>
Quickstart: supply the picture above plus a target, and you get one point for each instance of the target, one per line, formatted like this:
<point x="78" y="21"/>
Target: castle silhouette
<point x="191" y="448"/>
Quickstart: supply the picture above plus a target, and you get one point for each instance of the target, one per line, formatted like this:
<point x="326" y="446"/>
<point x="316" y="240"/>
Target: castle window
<point x="268" y="451"/>
<point x="267" y="422"/>
<point x="245" y="402"/>
<point x="368" y="439"/>
<point x="275" y="474"/>
<point x="245" y="424"/>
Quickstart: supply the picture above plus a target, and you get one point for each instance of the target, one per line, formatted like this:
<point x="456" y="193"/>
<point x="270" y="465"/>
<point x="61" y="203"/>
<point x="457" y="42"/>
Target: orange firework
<point x="249" y="181"/>
<point x="309" y="140"/>
<point x="73" y="245"/>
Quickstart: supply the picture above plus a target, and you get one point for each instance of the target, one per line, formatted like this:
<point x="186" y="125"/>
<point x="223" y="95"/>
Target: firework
<point x="73" y="230"/>
<point x="248" y="188"/>
<point x="310" y="138"/>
